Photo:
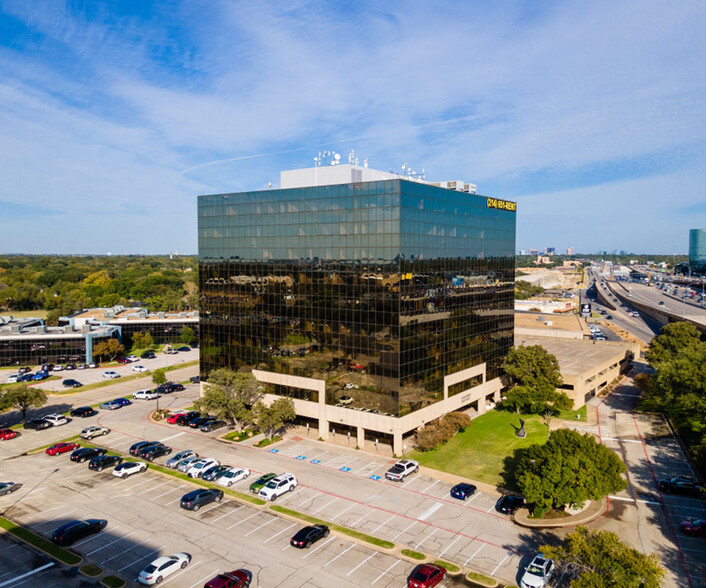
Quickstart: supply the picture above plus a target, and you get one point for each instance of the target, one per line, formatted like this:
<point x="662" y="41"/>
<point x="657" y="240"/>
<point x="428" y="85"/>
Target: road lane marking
<point x="426" y="537"/>
<point x="385" y="572"/>
<point x="243" y="520"/>
<point x="382" y="524"/>
<point x="352" y="545"/>
<point x="362" y="562"/>
<point x="430" y="486"/>
<point x="123" y="552"/>
<point x="345" y="510"/>
<point x="279" y="533"/>
<point x="260" y="527"/>
<point x="621" y="440"/>
<point x="449" y="545"/>
<point x="319" y="547"/>
<point x="202" y="580"/>
<point x="482" y="545"/>
<point x="228" y="513"/>
<point x="325" y="505"/>
<point x="430" y="511"/>
<point x="407" y="529"/>
<point x="13" y="581"/>
<point x="150" y="554"/>
<point x="109" y="544"/>
<point x="501" y="563"/>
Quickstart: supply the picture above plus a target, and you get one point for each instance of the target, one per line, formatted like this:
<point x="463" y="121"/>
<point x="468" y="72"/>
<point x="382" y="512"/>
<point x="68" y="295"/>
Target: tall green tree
<point x="569" y="468"/>
<point x="272" y="418"/>
<point x="187" y="335"/>
<point x="22" y="397"/>
<point x="142" y="340"/>
<point x="159" y="376"/>
<point x="533" y="366"/>
<point x="528" y="400"/>
<point x="604" y="561"/>
<point x="672" y="340"/>
<point x="230" y="396"/>
<point x="110" y="348"/>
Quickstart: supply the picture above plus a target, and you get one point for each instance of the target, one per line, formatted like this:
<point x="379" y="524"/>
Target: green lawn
<point x="480" y="451"/>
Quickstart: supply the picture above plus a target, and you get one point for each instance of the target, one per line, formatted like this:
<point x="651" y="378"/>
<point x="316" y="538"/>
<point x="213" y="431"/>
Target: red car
<point x="694" y="528"/>
<point x="122" y="360"/>
<point x="58" y="448"/>
<point x="235" y="579"/>
<point x="172" y="418"/>
<point x="7" y="434"/>
<point x="426" y="576"/>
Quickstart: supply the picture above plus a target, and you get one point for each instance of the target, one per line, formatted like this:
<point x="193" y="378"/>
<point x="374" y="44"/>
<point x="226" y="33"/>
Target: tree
<point x="142" y="340"/>
<point x="187" y="335"/>
<point x="272" y="418"/>
<point x="230" y="396"/>
<point x="569" y="468"/>
<point x="159" y="376"/>
<point x="672" y="340"/>
<point x="22" y="398"/>
<point x="604" y="561"/>
<point x="528" y="400"/>
<point x="110" y="348"/>
<point x="533" y="366"/>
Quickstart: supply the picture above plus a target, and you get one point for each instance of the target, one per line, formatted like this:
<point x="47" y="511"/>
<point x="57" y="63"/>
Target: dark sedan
<point x="463" y="491"/>
<point x="695" y="528"/>
<point x="681" y="485"/>
<point x="83" y="412"/>
<point x="509" y="504"/>
<point x="304" y="538"/>
<point x="195" y="499"/>
<point x="123" y="401"/>
<point x="104" y="461"/>
<point x="197" y="422"/>
<point x="85" y="453"/>
<point x="37" y="424"/>
<point x="154" y="451"/>
<point x="212" y="425"/>
<point x="183" y="419"/>
<point x="71" y="532"/>
<point x="139" y="446"/>
<point x="70" y="383"/>
<point x="212" y="474"/>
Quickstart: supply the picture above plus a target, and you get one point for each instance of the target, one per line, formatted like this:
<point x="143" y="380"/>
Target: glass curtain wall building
<point x="697" y="250"/>
<point x="377" y="306"/>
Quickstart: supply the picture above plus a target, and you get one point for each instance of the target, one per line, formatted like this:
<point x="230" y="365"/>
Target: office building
<point x="376" y="302"/>
<point x="697" y="250"/>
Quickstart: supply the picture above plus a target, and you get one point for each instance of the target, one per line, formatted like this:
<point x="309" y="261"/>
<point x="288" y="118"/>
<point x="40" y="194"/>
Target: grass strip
<point x="480" y="579"/>
<point x="113" y="582"/>
<point x="413" y="554"/>
<point x="91" y="571"/>
<point x="338" y="528"/>
<point x="63" y="555"/>
<point x="237" y="437"/>
<point x="200" y="482"/>
<point x="449" y="566"/>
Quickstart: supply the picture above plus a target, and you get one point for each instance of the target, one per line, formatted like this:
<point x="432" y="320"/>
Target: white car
<point x="139" y="368"/>
<point x="58" y="368"/>
<point x="132" y="358"/>
<point x="145" y="395"/>
<point x="199" y="467"/>
<point x="232" y="476"/>
<point x="278" y="486"/>
<point x="162" y="567"/>
<point x="94" y="431"/>
<point x="13" y="378"/>
<point x="56" y="419"/>
<point x="111" y="375"/>
<point x="127" y="468"/>
<point x="538" y="573"/>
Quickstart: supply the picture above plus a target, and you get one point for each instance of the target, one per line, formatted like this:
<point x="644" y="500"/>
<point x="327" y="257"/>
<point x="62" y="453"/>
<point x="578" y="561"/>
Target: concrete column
<point x="496" y="396"/>
<point x="323" y="429"/>
<point x="397" y="443"/>
<point x="361" y="437"/>
<point x="481" y="405"/>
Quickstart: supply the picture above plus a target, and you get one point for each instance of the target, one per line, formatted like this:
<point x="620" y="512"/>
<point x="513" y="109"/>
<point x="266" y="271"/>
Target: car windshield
<point x="419" y="576"/>
<point x="150" y="568"/>
<point x="272" y="485"/>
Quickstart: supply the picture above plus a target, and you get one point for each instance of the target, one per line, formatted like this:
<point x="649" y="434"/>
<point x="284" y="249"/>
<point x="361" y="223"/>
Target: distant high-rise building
<point x="697" y="250"/>
<point x="569" y="251"/>
<point x="533" y="252"/>
<point x="523" y="251"/>
<point x="550" y="250"/>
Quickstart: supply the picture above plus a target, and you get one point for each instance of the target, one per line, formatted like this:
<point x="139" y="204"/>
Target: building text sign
<point x="501" y="204"/>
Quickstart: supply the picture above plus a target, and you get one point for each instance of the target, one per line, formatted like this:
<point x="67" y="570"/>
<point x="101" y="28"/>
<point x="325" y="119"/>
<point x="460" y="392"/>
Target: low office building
<point x="30" y="342"/>
<point x="376" y="302"/>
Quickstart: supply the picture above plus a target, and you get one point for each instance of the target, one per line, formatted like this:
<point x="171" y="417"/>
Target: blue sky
<point x="115" y="115"/>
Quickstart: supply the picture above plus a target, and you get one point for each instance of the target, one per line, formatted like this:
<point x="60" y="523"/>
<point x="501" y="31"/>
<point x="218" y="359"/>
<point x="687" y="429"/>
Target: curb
<point x="593" y="512"/>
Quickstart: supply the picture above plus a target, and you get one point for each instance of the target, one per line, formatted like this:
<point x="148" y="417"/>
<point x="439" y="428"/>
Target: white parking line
<point x="150" y="554"/>
<point x="319" y="547"/>
<point x="491" y="508"/>
<point x="352" y="545"/>
<point x="427" y="537"/>
<point x="404" y="531"/>
<point x="482" y="545"/>
<point x="361" y="518"/>
<point x="306" y="500"/>
<point x="44" y="512"/>
<point x="133" y="486"/>
<point x="172" y="437"/>
<point x="476" y="495"/>
<point x="174" y="576"/>
<point x="167" y="492"/>
<point x="14" y="580"/>
<point x="279" y="532"/>
<point x="173" y="501"/>
<point x="345" y="510"/>
<point x="228" y="513"/>
<point x="501" y="563"/>
<point x="216" y="505"/>
<point x="123" y="552"/>
<point x="243" y="520"/>
<point x="325" y="505"/>
<point x="91" y="538"/>
<point x="404" y="484"/>
<point x="382" y="524"/>
<point x="430" y="511"/>
<point x="362" y="562"/>
<point x="202" y="580"/>
<point x="260" y="527"/>
<point x="385" y="572"/>
<point x="155" y="487"/>
<point x="430" y="486"/>
<point x="621" y="440"/>
<point x="449" y="545"/>
<point x="109" y="544"/>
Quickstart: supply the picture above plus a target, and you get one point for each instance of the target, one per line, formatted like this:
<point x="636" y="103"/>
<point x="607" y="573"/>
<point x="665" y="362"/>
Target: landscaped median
<point x="54" y="551"/>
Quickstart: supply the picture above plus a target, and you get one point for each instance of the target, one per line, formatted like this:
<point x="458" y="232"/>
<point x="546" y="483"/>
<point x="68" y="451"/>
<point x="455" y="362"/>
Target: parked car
<point x="154" y="451"/>
<point x="185" y="464"/>
<point x="233" y="475"/>
<point x="198" y="468"/>
<point x="696" y="528"/>
<point x="123" y="401"/>
<point x="168" y="388"/>
<point x="94" y="431"/>
<point x="139" y="368"/>
<point x="172" y="418"/>
<point x="56" y="420"/>
<point x="145" y="395"/>
<point x="59" y="448"/>
<point x="682" y="485"/>
<point x="212" y="425"/>
<point x="122" y="360"/>
<point x="306" y="537"/>
<point x="214" y="473"/>
<point x="257" y="485"/>
<point x="72" y="531"/>
<point x="148" y="355"/>
<point x="13" y="378"/>
<point x="162" y="567"/>
<point x="91" y="365"/>
<point x="132" y="358"/>
<point x="277" y="486"/>
<point x="195" y="379"/>
<point x="234" y="579"/>
<point x="71" y="383"/>
<point x="40" y="376"/>
<point x="111" y="405"/>
<point x="83" y="412"/>
<point x="426" y="576"/>
<point x="182" y="455"/>
<point x="36" y="424"/>
<point x="24" y="370"/>
<point x="196" y="422"/>
<point x="128" y="468"/>
<point x="463" y="491"/>
<point x="104" y="461"/>
<point x="509" y="504"/>
<point x="85" y="453"/>
<point x="8" y="488"/>
<point x="135" y="448"/>
<point x="111" y="375"/>
<point x="82" y="366"/>
<point x="402" y="469"/>
<point x="6" y="434"/>
<point x="48" y="367"/>
<point x="538" y="573"/>
<point x="184" y="418"/>
<point x="195" y="499"/>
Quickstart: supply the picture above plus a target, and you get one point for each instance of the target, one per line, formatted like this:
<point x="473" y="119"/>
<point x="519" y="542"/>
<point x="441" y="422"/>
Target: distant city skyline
<point x="115" y="116"/>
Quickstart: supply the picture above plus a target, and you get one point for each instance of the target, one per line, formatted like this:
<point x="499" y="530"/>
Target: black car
<point x="212" y="425"/>
<point x="680" y="485"/>
<point x="154" y="451"/>
<point x="140" y="445"/>
<point x="509" y="504"/>
<point x="183" y="419"/>
<point x="195" y="499"/>
<point x="463" y="491"/>
<point x="70" y="366"/>
<point x="48" y="367"/>
<point x="72" y="383"/>
<point x="197" y="422"/>
<point x="195" y="379"/>
<point x="85" y="453"/>
<point x="37" y="424"/>
<point x="24" y="370"/>
<point x="184" y="348"/>
<point x="71" y="532"/>
<point x="148" y="355"/>
<point x="304" y="538"/>
<point x="168" y="388"/>
<point x="83" y="412"/>
<point x="104" y="461"/>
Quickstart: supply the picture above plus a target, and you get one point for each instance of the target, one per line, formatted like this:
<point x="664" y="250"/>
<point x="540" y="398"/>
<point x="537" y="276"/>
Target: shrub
<point x="440" y="430"/>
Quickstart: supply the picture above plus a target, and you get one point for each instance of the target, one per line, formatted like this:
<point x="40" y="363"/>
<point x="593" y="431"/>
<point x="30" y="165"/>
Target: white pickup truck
<point x="402" y="469"/>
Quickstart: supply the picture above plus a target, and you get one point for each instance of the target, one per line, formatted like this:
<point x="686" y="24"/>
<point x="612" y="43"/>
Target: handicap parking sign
<point x="344" y="469"/>
<point x="300" y="457"/>
<point x="315" y="461"/>
<point x="274" y="450"/>
<point x="374" y="477"/>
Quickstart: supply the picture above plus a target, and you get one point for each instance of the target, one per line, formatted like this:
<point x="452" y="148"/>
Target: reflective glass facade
<point x="697" y="250"/>
<point x="378" y="288"/>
